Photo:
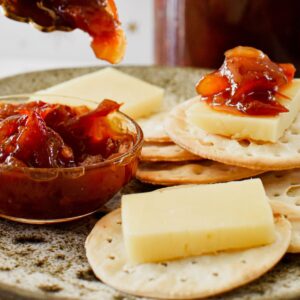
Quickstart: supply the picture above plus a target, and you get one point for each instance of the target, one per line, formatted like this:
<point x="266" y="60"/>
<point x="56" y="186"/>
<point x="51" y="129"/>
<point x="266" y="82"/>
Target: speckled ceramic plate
<point x="48" y="262"/>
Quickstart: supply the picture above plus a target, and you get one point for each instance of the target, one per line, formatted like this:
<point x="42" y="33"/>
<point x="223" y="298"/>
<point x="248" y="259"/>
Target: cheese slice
<point x="139" y="98"/>
<point x="266" y="129"/>
<point x="191" y="220"/>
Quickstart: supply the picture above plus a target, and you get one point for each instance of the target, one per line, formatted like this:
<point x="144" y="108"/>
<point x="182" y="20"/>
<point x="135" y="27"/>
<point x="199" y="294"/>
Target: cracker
<point x="283" y="189"/>
<point x="189" y="278"/>
<point x="295" y="238"/>
<point x="285" y="154"/>
<point x="153" y="128"/>
<point x="165" y="152"/>
<point x="206" y="171"/>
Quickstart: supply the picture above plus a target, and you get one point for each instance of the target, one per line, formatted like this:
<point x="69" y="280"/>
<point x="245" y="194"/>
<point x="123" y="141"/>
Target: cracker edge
<point x="188" y="156"/>
<point x="163" y="140"/>
<point x="177" y="115"/>
<point x="150" y="178"/>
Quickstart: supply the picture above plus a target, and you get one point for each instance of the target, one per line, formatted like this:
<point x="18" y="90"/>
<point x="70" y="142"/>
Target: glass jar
<point x="198" y="32"/>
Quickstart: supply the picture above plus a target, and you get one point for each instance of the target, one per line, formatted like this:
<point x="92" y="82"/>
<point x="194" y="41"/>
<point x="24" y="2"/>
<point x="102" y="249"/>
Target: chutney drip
<point x="98" y="18"/>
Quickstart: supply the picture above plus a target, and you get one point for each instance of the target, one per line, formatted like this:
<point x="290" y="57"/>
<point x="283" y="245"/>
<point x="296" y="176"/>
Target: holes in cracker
<point x="243" y="262"/>
<point x="215" y="274"/>
<point x="164" y="264"/>
<point x="119" y="222"/>
<point x="198" y="170"/>
<point x="284" y="140"/>
<point x="210" y="144"/>
<point x="128" y="271"/>
<point x="111" y="257"/>
<point x="276" y="195"/>
<point x="244" y="143"/>
<point x="293" y="191"/>
<point x="183" y="279"/>
<point x="109" y="240"/>
<point x="294" y="131"/>
<point x="297" y="202"/>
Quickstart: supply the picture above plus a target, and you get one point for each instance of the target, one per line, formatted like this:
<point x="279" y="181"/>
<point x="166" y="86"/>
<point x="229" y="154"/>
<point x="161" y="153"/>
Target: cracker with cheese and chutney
<point x="246" y="114"/>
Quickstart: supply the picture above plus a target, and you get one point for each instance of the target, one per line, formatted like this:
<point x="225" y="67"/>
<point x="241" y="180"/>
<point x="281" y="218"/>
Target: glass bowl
<point x="53" y="195"/>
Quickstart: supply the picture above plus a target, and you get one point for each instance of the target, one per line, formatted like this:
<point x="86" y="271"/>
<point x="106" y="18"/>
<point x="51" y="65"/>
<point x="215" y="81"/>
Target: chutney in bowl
<point x="60" y="162"/>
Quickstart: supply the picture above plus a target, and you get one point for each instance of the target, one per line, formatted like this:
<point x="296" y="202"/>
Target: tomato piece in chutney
<point x="42" y="135"/>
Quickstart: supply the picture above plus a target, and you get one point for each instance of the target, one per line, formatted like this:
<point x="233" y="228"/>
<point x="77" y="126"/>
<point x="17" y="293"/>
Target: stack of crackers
<point x="165" y="162"/>
<point x="177" y="152"/>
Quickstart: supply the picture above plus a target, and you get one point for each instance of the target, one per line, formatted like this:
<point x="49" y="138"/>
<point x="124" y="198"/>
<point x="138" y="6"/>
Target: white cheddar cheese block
<point x="266" y="129"/>
<point x="192" y="220"/>
<point x="139" y="98"/>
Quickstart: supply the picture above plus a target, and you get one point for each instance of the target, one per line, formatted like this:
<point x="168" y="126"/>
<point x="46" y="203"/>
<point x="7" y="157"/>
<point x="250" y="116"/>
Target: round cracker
<point x="206" y="171"/>
<point x="189" y="278"/>
<point x="285" y="154"/>
<point x="165" y="152"/>
<point x="153" y="128"/>
<point x="283" y="189"/>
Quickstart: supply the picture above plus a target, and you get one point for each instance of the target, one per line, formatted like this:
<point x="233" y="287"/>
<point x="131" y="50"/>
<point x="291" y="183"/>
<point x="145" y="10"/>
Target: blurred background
<point x="165" y="32"/>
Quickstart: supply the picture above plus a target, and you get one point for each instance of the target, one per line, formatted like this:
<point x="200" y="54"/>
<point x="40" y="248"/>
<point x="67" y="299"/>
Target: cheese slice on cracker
<point x="239" y="126"/>
<point x="140" y="98"/>
<point x="178" y="279"/>
<point x="193" y="220"/>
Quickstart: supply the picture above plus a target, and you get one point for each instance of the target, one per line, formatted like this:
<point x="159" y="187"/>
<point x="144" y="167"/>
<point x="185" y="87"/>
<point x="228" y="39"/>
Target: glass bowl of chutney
<point x="40" y="189"/>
